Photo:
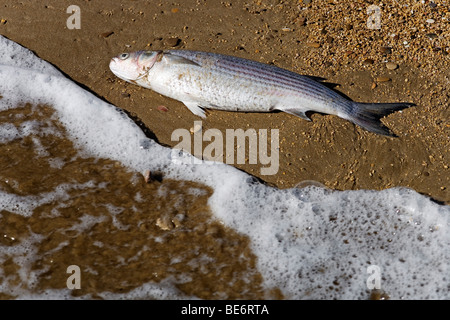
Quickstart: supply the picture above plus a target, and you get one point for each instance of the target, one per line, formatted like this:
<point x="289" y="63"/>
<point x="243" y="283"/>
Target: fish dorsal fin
<point x="171" y="58"/>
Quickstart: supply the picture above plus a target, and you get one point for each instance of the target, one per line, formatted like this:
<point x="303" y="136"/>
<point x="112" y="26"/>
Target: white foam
<point x="310" y="242"/>
<point x="161" y="291"/>
<point x="24" y="205"/>
<point x="12" y="54"/>
<point x="8" y="132"/>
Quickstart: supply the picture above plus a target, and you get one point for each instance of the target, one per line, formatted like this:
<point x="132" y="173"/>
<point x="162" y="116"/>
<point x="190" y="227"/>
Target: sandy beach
<point x="400" y="55"/>
<point x="328" y="39"/>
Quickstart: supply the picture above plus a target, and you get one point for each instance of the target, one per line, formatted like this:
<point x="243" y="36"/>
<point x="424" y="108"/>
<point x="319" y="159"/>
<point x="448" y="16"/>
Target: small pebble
<point x="368" y="61"/>
<point x="286" y="29"/>
<point x="348" y="53"/>
<point x="162" y="108"/>
<point x="165" y="224"/>
<point x="373" y="86"/>
<point x="147" y="176"/>
<point x="172" y="42"/>
<point x="154" y="176"/>
<point x="391" y="65"/>
<point x="383" y="79"/>
<point x="313" y="44"/>
<point x="385" y="50"/>
<point x="107" y="34"/>
<point x="430" y="20"/>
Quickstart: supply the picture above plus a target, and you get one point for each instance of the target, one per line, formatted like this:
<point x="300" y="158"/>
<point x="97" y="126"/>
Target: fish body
<point x="203" y="80"/>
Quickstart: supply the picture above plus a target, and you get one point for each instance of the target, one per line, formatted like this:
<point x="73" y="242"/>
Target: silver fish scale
<point x="213" y="86"/>
<point x="272" y="80"/>
<point x="219" y="90"/>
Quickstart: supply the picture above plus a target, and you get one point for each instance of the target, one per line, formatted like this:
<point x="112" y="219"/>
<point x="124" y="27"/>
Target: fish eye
<point x="124" y="56"/>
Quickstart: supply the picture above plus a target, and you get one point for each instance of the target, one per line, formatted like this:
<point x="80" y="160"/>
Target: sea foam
<point x="311" y="243"/>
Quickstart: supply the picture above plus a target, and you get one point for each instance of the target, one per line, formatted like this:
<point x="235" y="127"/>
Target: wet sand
<point x="327" y="39"/>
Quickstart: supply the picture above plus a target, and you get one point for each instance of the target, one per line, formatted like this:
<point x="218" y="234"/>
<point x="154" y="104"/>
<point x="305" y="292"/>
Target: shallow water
<point x="73" y="191"/>
<point x="121" y="231"/>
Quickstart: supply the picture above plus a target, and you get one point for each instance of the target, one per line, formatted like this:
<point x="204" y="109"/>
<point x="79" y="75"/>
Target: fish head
<point x="133" y="66"/>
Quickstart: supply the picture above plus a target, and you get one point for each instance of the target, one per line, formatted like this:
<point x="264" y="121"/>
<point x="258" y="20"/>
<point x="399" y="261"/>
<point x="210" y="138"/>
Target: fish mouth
<point x="123" y="75"/>
<point x="112" y="67"/>
<point x="117" y="71"/>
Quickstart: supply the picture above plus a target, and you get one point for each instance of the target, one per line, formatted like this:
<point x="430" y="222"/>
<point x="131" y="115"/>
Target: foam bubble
<point x="322" y="248"/>
<point x="8" y="132"/>
<point x="13" y="54"/>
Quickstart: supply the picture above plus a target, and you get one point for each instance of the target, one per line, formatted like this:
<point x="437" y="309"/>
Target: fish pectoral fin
<point x="296" y="112"/>
<point x="171" y="58"/>
<point x="195" y="108"/>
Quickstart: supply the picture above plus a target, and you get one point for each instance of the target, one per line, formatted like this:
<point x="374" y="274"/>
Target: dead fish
<point x="203" y="80"/>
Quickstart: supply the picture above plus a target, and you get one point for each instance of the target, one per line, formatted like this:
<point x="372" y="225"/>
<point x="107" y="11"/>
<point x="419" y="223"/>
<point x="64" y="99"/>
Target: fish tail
<point x="368" y="115"/>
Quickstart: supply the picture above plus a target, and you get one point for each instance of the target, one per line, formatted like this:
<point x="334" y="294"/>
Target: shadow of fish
<point x="203" y="80"/>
